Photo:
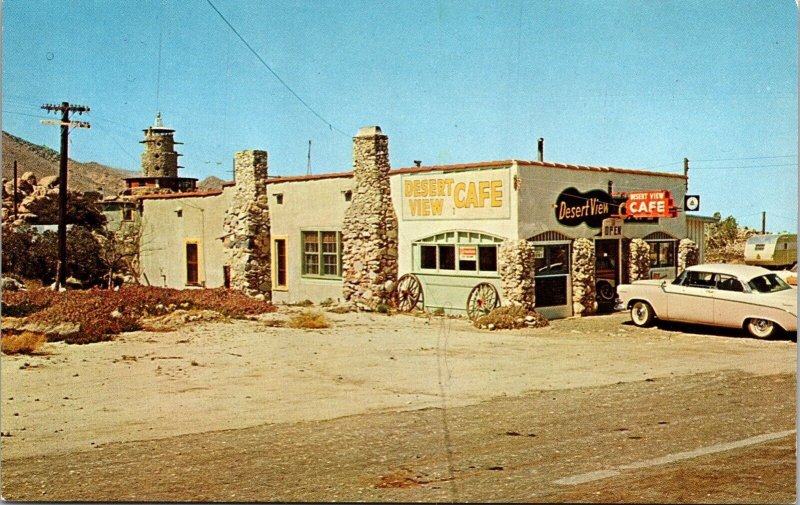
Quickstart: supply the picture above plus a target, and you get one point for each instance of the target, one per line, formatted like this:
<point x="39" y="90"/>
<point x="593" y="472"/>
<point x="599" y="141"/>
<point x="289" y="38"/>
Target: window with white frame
<point x="458" y="253"/>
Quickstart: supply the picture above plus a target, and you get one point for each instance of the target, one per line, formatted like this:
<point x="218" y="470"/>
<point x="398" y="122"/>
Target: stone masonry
<point x="688" y="254"/>
<point x="516" y="273"/>
<point x="369" y="233"/>
<point x="639" y="262"/>
<point x="584" y="299"/>
<point x="247" y="227"/>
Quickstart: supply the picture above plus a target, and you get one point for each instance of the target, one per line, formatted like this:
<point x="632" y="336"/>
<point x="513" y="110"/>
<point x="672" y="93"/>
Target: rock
<point x="11" y="284"/>
<point x="54" y="331"/>
<point x="48" y="181"/>
<point x="116" y="314"/>
<point x="491" y="326"/>
<point x="29" y="177"/>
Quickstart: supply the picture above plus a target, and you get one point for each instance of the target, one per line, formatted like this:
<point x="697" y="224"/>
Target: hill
<point x="43" y="161"/>
<point x="210" y="183"/>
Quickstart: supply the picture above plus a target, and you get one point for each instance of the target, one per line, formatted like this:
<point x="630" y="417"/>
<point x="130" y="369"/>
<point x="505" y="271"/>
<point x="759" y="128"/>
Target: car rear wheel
<point x="642" y="314"/>
<point x="761" y="328"/>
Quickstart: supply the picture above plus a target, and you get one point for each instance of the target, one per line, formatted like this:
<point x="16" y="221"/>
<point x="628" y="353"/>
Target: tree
<point x="119" y="251"/>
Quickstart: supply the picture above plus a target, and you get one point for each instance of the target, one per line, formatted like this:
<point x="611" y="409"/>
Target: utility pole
<point x="764" y="222"/>
<point x="686" y="172"/>
<point x="308" y="165"/>
<point x="15" y="189"/>
<point x="65" y="108"/>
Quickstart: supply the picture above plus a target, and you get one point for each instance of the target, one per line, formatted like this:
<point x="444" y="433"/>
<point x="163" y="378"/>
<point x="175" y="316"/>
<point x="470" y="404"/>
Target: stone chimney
<point x="369" y="234"/>
<point x="247" y="227"/>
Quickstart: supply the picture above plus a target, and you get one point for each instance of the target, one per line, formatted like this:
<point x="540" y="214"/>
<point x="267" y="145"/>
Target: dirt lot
<point x="404" y="408"/>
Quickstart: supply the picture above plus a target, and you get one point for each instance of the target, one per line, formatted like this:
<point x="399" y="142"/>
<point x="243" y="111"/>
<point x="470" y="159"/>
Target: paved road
<point x="707" y="438"/>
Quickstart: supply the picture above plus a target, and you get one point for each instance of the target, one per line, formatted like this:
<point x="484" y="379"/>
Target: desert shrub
<point x="102" y="313"/>
<point x="22" y="343"/>
<point x="303" y="303"/>
<point x="438" y="312"/>
<point x="515" y="316"/>
<point x="382" y="308"/>
<point x="326" y="302"/>
<point x="23" y="303"/>
<point x="309" y="319"/>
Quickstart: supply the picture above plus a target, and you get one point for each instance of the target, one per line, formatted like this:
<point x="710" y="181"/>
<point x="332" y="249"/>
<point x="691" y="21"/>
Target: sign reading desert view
<point x="465" y="195"/>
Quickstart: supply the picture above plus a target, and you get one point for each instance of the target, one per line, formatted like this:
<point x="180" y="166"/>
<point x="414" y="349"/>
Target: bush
<point x="102" y="313"/>
<point x="515" y="316"/>
<point x="23" y="343"/>
<point x="311" y="319"/>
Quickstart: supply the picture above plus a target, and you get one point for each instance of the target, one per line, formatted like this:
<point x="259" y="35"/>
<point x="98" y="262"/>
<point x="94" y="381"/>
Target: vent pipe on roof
<point x="541" y="149"/>
<point x="418" y="163"/>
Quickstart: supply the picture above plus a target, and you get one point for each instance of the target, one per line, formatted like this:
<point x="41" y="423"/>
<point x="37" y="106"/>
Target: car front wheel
<point x="761" y="328"/>
<point x="642" y="314"/>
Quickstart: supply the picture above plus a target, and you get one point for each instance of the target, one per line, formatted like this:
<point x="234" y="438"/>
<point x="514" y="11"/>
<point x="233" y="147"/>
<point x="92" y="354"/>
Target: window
<point x="447" y="257"/>
<point x="551" y="259"/>
<point x="695" y="279"/>
<point x="192" y="264"/>
<point x="279" y="263"/>
<point x="662" y="253"/>
<point x="322" y="253"/>
<point x="760" y="247"/>
<point x="427" y="257"/>
<point x="127" y="213"/>
<point x="728" y="283"/>
<point x="487" y="258"/>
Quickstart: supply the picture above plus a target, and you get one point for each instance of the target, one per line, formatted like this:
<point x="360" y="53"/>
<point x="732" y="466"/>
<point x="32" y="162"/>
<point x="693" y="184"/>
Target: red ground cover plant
<point x="103" y="313"/>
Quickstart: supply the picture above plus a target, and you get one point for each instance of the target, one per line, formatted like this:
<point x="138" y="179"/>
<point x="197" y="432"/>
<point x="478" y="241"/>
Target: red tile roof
<point x="167" y="196"/>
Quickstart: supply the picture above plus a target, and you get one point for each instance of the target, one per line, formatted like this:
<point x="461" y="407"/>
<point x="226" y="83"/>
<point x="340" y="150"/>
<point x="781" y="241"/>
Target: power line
<point x="330" y="126"/>
<point x="752" y="158"/>
<point x="745" y="166"/>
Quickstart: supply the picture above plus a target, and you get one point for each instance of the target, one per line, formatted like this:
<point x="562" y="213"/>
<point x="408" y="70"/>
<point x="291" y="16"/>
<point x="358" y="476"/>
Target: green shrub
<point x="310" y="319"/>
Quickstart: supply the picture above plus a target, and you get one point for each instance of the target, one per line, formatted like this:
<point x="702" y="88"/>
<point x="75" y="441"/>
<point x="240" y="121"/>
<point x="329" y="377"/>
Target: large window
<point x="662" y="253"/>
<point x="458" y="252"/>
<point x="322" y="253"/>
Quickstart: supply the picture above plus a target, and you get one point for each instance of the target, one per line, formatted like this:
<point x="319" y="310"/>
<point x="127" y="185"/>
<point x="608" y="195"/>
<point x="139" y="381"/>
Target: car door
<point x="729" y="301"/>
<point x="693" y="299"/>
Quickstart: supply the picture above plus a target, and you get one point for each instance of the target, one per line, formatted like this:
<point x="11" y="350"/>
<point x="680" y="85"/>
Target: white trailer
<point x="771" y="251"/>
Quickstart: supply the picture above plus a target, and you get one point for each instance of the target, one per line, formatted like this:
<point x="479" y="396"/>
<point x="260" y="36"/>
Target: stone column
<point x="584" y="299"/>
<point x="516" y="273"/>
<point x="688" y="254"/>
<point x="247" y="226"/>
<point x="639" y="263"/>
<point x="369" y="233"/>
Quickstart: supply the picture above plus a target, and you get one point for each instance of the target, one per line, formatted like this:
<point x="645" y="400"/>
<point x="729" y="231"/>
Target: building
<point x="553" y="235"/>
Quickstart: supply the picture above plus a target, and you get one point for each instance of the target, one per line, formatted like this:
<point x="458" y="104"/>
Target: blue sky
<point x="630" y="84"/>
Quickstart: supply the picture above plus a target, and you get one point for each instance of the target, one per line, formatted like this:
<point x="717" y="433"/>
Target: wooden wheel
<point x="409" y="292"/>
<point x="481" y="300"/>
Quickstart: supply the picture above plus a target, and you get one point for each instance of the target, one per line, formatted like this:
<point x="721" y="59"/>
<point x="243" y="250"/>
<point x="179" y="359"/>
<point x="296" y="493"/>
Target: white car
<point x="735" y="296"/>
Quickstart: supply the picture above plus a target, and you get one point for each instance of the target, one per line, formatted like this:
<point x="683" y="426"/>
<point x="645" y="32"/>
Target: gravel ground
<point x="436" y="411"/>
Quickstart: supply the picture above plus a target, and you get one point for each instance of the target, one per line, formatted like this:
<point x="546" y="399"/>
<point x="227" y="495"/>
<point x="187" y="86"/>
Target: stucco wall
<point x="540" y="187"/>
<point x="307" y="205"/>
<point x="414" y="228"/>
<point x="165" y="233"/>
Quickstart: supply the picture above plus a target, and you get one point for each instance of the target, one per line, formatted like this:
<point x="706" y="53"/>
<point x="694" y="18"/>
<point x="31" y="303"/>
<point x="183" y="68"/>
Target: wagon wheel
<point x="481" y="300"/>
<point x="409" y="292"/>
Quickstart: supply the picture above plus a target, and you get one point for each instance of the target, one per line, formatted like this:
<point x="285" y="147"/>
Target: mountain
<point x="43" y="161"/>
<point x="210" y="183"/>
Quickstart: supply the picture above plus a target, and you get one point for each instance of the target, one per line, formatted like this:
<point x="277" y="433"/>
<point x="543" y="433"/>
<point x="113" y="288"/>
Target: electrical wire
<point x="258" y="56"/>
<point x="745" y="166"/>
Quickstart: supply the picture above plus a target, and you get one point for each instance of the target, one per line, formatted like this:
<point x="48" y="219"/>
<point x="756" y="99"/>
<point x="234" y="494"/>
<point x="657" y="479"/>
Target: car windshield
<point x="768" y="283"/>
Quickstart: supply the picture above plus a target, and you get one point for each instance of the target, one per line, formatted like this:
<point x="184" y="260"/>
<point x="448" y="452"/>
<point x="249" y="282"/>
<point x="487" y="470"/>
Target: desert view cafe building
<point x="583" y="229"/>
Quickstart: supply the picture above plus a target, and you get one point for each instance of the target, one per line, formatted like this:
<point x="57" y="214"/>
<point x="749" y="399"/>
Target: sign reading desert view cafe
<point x="482" y="194"/>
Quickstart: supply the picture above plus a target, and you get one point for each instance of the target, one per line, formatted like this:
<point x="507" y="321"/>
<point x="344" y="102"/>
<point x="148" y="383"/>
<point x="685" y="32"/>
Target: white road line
<point x="671" y="458"/>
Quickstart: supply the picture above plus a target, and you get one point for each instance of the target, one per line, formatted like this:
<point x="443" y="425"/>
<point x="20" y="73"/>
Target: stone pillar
<point x="584" y="299"/>
<point x="688" y="254"/>
<point x="516" y="273"/>
<point x="369" y="233"/>
<point x="639" y="262"/>
<point x="247" y="227"/>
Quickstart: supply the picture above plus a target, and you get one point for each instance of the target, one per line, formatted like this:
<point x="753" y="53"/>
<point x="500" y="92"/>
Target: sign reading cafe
<point x="456" y="195"/>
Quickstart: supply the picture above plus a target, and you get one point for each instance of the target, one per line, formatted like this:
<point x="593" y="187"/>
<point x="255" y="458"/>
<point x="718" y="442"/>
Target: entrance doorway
<point x="552" y="279"/>
<point x="607" y="271"/>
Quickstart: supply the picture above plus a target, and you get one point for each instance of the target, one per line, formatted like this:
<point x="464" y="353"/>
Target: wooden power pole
<point x="65" y="108"/>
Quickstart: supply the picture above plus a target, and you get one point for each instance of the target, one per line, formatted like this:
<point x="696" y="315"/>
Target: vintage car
<point x="736" y="296"/>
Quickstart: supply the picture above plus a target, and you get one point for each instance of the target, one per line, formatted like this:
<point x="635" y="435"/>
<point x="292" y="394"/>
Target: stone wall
<point x="369" y="233"/>
<point x="515" y="262"/>
<point x="584" y="299"/>
<point x="247" y="226"/>
<point x="688" y="254"/>
<point x="639" y="260"/>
